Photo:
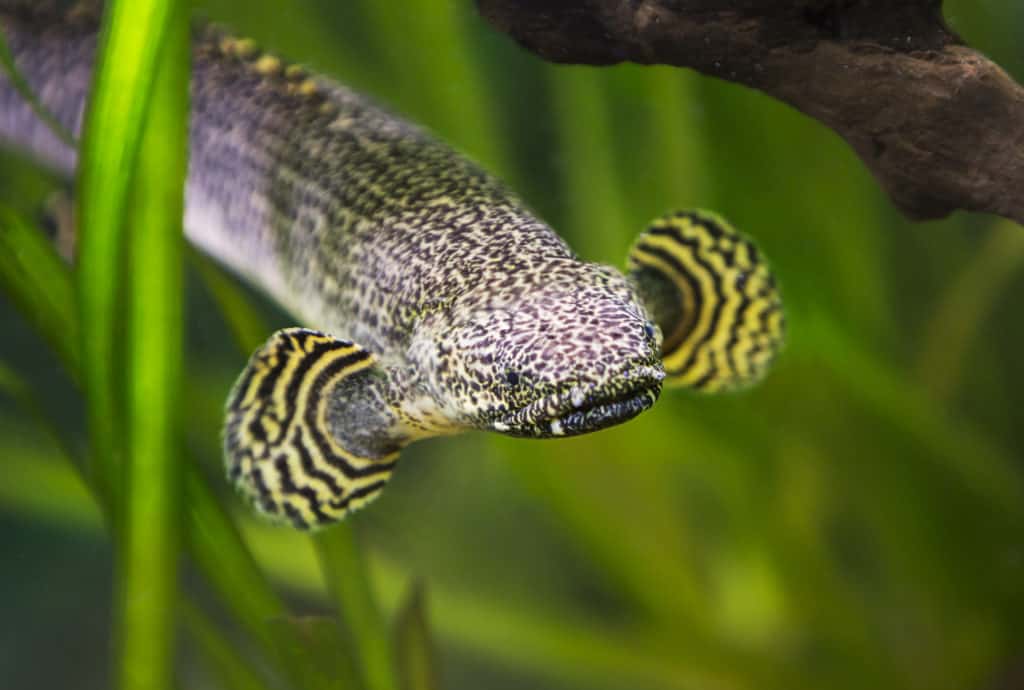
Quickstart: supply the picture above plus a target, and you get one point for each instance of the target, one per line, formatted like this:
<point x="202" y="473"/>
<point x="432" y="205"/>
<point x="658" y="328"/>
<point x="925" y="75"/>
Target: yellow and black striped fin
<point x="280" y="444"/>
<point x="714" y="298"/>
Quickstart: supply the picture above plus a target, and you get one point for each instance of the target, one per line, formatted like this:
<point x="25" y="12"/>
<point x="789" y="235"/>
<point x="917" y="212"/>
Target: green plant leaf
<point x="130" y="43"/>
<point x="414" y="646"/>
<point x="25" y="91"/>
<point x="40" y="285"/>
<point x="317" y="652"/>
<point x="964" y="307"/>
<point x="37" y="280"/>
<point x="211" y="536"/>
<point x="150" y="540"/>
<point x="247" y="325"/>
<point x="348" y="583"/>
<point x="221" y="654"/>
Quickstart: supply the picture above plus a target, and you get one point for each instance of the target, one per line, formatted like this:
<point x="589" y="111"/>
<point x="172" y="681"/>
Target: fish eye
<point x="649" y="329"/>
<point x="512" y="378"/>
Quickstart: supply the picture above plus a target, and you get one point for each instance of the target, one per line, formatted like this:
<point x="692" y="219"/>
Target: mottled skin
<point x="368" y="229"/>
<point x="444" y="303"/>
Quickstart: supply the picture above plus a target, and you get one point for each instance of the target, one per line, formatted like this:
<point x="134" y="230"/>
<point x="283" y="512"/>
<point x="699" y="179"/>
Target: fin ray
<point x="279" y="446"/>
<point x="714" y="297"/>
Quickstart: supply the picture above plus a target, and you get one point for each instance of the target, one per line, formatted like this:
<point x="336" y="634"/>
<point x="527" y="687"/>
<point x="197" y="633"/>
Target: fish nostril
<point x="512" y="378"/>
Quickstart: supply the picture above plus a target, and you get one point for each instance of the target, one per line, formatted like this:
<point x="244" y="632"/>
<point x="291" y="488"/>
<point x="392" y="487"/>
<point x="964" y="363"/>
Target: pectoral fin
<point x="306" y="432"/>
<point x="714" y="298"/>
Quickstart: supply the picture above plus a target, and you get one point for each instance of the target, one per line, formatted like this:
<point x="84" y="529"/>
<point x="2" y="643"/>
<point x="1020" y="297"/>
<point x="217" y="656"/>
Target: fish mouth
<point x="580" y="411"/>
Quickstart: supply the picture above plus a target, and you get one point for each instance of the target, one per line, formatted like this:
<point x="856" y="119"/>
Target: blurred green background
<point x="856" y="521"/>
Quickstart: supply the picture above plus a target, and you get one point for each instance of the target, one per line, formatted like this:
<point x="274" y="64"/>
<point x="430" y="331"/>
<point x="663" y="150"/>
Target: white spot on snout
<point x="500" y="426"/>
<point x="556" y="428"/>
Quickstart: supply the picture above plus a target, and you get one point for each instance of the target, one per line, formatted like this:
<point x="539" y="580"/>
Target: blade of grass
<point x="224" y="559"/>
<point x="56" y="494"/>
<point x="348" y="583"/>
<point x="637" y="565"/>
<point x="342" y="566"/>
<point x="131" y="38"/>
<point x="38" y="282"/>
<point x="25" y="91"/>
<point x="20" y="391"/>
<point x="211" y="526"/>
<point x="965" y="306"/>
<point x="41" y="487"/>
<point x="414" y="648"/>
<point x="559" y="646"/>
<point x="958" y="447"/>
<point x="212" y="537"/>
<point x="38" y="485"/>
<point x="316" y="652"/>
<point x="244" y="321"/>
<point x="597" y="211"/>
<point x="149" y="560"/>
<point x="67" y="497"/>
<point x="341" y="563"/>
<point x="450" y="96"/>
<point x="659" y="141"/>
<point x="220" y="654"/>
<point x="214" y="540"/>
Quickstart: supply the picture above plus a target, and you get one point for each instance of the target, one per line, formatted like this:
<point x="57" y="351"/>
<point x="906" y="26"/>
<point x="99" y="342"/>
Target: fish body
<point x="440" y="302"/>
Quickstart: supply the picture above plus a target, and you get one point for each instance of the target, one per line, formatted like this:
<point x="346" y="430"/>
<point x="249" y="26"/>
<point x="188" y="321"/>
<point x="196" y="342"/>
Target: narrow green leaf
<point x="39" y="284"/>
<point x="150" y="541"/>
<point x="964" y="451"/>
<point x="348" y="583"/>
<point x="245" y="322"/>
<point x="37" y="280"/>
<point x="360" y="621"/>
<point x="224" y="559"/>
<point x="597" y="209"/>
<point x="43" y="486"/>
<point x="450" y="97"/>
<point x="317" y="652"/>
<point x="414" y="648"/>
<point x="963" y="309"/>
<point x="558" y="647"/>
<point x="220" y="654"/>
<point x="22" y="392"/>
<point x="131" y="38"/>
<point x="25" y="91"/>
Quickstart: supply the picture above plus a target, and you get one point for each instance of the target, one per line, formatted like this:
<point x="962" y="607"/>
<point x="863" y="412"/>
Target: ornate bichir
<point x="442" y="304"/>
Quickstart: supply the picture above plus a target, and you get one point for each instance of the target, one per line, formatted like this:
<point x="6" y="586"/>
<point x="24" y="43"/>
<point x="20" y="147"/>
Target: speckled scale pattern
<point x="370" y="223"/>
<point x="472" y="312"/>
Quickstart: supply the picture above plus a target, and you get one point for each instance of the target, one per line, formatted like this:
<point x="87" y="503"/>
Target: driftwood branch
<point x="939" y="125"/>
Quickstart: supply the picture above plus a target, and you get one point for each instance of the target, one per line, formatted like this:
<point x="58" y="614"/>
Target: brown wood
<point x="939" y="124"/>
